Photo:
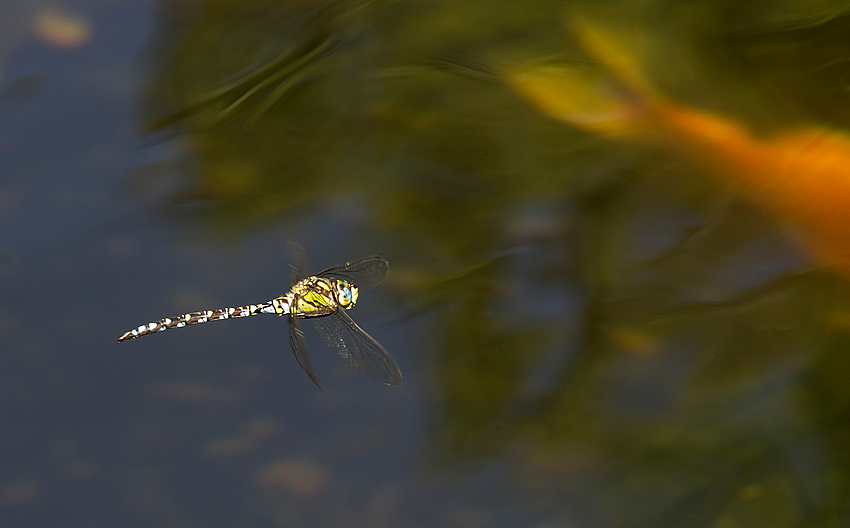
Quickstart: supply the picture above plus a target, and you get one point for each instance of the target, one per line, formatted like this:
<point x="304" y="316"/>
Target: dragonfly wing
<point x="364" y="273"/>
<point x="298" y="262"/>
<point x="357" y="348"/>
<point x="299" y="348"/>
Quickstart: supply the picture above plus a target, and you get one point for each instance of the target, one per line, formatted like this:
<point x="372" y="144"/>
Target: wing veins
<point x="357" y="348"/>
<point x="299" y="348"/>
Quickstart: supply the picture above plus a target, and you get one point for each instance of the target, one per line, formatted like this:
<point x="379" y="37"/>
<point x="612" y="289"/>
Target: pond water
<point x="594" y="330"/>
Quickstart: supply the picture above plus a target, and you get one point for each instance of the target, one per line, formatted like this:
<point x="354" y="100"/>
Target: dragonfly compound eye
<point x="343" y="294"/>
<point x="346" y="294"/>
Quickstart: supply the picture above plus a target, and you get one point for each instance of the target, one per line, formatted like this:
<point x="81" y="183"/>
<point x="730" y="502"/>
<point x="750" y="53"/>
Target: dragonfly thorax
<point x="315" y="297"/>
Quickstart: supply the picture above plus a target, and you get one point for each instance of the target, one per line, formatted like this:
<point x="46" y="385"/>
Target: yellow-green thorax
<point x="314" y="297"/>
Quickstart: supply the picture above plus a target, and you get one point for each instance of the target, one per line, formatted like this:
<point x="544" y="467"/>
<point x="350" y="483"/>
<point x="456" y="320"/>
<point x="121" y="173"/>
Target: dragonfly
<point x="324" y="299"/>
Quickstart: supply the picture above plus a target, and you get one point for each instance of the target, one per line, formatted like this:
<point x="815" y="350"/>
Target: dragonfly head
<point x="346" y="294"/>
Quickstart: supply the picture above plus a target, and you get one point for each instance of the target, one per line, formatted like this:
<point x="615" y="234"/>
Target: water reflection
<point x="604" y="324"/>
<point x="593" y="332"/>
<point x="799" y="175"/>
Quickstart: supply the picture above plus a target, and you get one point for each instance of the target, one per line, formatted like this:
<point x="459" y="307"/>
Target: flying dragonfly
<point x="323" y="298"/>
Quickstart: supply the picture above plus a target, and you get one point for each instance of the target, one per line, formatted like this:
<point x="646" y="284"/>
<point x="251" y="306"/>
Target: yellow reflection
<point x="249" y="440"/>
<point x="60" y="30"/>
<point x="19" y="492"/>
<point x="300" y="477"/>
<point x="635" y="341"/>
<point x="193" y="393"/>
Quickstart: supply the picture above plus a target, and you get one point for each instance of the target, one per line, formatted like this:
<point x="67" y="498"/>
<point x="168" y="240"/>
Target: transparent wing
<point x="298" y="262"/>
<point x="357" y="348"/>
<point x="296" y="340"/>
<point x="363" y="273"/>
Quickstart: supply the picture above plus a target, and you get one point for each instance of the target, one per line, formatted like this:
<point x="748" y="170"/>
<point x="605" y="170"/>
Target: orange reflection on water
<point x="801" y="176"/>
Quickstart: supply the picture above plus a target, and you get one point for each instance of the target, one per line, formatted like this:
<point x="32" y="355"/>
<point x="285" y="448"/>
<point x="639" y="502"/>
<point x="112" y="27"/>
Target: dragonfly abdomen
<point x="277" y="306"/>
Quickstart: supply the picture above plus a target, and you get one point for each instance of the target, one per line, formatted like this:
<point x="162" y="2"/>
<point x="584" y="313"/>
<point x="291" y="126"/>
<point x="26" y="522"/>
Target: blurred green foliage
<point x="699" y="367"/>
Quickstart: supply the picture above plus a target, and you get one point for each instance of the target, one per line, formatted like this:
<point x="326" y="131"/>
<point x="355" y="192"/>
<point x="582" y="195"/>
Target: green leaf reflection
<point x="660" y="353"/>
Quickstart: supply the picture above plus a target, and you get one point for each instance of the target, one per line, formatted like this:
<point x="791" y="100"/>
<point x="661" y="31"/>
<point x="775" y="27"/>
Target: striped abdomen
<point x="279" y="306"/>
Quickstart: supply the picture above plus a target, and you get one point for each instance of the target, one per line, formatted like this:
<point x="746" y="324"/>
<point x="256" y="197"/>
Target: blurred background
<point x="594" y="331"/>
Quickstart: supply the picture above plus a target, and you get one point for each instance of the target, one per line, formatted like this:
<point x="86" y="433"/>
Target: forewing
<point x="364" y="273"/>
<point x="357" y="348"/>
<point x="299" y="348"/>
